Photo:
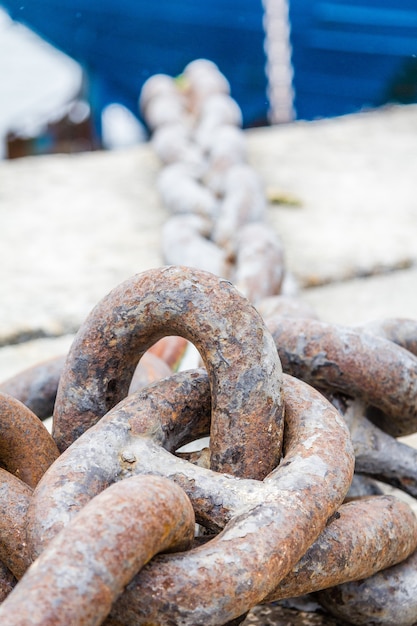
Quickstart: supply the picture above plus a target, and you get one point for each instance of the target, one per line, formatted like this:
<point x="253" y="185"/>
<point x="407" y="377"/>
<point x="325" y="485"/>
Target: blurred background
<point x="71" y="70"/>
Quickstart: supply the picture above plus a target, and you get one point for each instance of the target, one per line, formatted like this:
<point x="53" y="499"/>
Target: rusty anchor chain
<point x="36" y="387"/>
<point x="362" y="533"/>
<point x="87" y="566"/>
<point x="19" y="429"/>
<point x="385" y="598"/>
<point x="15" y="497"/>
<point x="138" y="437"/>
<point x="255" y="515"/>
<point x="79" y="542"/>
<point x="217" y="206"/>
<point x="230" y="336"/>
<point x="132" y="418"/>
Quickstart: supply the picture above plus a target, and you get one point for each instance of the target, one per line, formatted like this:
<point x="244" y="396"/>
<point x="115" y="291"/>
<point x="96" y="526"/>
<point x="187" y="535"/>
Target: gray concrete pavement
<point x="73" y="227"/>
<point x="355" y="178"/>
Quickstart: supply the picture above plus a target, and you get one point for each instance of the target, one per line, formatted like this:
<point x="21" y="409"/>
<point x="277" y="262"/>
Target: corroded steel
<point x="259" y="261"/>
<point x="36" y="386"/>
<point x="138" y="436"/>
<point x="269" y="524"/>
<point x="378" y="454"/>
<point x="233" y="571"/>
<point x="340" y="358"/>
<point x="21" y="432"/>
<point x="388" y="598"/>
<point x="237" y="349"/>
<point x="14" y="502"/>
<point x="89" y="563"/>
<point x="402" y="331"/>
<point x="363" y="537"/>
<point x="183" y="241"/>
<point x="7" y="581"/>
<point x="216" y="199"/>
<point x="168" y="413"/>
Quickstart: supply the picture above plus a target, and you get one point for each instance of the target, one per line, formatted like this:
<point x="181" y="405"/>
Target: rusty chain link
<point x="230" y="336"/>
<point x="87" y="566"/>
<point x="388" y="597"/>
<point x="19" y="429"/>
<point x="273" y="494"/>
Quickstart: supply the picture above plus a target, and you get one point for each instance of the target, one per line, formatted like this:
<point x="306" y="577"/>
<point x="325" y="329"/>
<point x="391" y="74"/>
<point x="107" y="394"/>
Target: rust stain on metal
<point x="86" y="567"/>
<point x="366" y="536"/>
<point x="378" y="454"/>
<point x="276" y="526"/>
<point x="15" y="496"/>
<point x="387" y="598"/>
<point x="401" y="331"/>
<point x="237" y="350"/>
<point x="359" y="364"/>
<point x="21" y="433"/>
<point x="83" y="533"/>
<point x="7" y="581"/>
<point x="36" y="386"/>
<point x="267" y="524"/>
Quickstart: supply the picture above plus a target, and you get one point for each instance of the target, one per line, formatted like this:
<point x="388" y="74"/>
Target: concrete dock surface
<point x="74" y="226"/>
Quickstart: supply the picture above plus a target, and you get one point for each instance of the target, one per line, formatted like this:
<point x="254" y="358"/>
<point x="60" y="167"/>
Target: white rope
<point x="279" y="69"/>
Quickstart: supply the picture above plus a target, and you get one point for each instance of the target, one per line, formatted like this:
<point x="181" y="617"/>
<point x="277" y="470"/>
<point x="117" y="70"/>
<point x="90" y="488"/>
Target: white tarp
<point x="36" y="80"/>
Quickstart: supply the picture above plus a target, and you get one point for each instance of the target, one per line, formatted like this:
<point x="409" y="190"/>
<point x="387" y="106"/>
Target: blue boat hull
<point x="120" y="44"/>
<point x="345" y="55"/>
<point x="354" y="54"/>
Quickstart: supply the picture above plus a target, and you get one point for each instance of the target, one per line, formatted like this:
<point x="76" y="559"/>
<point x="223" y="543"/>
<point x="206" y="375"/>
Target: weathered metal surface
<point x="237" y="349"/>
<point x="401" y="331"/>
<point x="363" y="485"/>
<point x="388" y="598"/>
<point x="233" y="571"/>
<point x="89" y="563"/>
<point x="184" y="242"/>
<point x="7" y="581"/>
<point x="36" y="386"/>
<point x="242" y="203"/>
<point x="268" y="524"/>
<point x="138" y="436"/>
<point x="378" y="454"/>
<point x="14" y="502"/>
<point x="363" y="537"/>
<point x="278" y="537"/>
<point x="182" y="192"/>
<point x="168" y="413"/>
<point x="359" y="364"/>
<point x="21" y="432"/>
<point x="272" y="526"/>
<point x="216" y="199"/>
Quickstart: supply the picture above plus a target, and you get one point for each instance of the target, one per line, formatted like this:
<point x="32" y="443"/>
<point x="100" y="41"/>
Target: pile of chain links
<point x="216" y="200"/>
<point x="302" y="417"/>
